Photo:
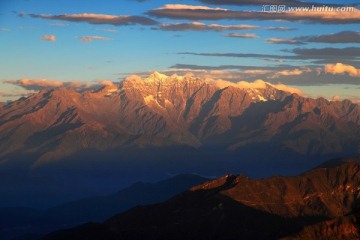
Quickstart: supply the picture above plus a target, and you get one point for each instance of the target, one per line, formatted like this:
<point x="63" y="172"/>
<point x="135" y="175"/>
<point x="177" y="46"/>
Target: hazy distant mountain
<point x="62" y="144"/>
<point x="173" y="111"/>
<point x="18" y="221"/>
<point x="320" y="204"/>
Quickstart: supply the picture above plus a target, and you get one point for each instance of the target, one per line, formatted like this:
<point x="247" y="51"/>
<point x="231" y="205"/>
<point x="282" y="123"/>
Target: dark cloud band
<point x="206" y="13"/>
<point x="99" y="19"/>
<point x="350" y="53"/>
<point x="340" y="37"/>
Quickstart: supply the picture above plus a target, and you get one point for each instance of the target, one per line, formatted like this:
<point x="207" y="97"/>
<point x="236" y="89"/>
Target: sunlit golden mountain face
<point x="175" y="110"/>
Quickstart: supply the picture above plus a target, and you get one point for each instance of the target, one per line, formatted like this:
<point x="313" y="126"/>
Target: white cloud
<point x="340" y="68"/>
<point x="293" y="72"/>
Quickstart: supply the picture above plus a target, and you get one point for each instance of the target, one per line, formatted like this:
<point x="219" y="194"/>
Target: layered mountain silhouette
<point x="320" y="204"/>
<point x="63" y="144"/>
<point x="21" y="222"/>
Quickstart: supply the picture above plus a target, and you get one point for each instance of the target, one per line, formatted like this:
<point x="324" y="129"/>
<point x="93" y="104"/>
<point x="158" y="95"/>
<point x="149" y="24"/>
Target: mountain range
<point x="173" y="111"/>
<point x="91" y="142"/>
<point x="322" y="203"/>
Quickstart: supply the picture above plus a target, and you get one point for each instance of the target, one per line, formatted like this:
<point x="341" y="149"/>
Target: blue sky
<point x="90" y="41"/>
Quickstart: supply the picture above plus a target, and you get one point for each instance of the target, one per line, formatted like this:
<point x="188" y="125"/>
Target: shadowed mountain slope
<point x="18" y="221"/>
<point x="320" y="204"/>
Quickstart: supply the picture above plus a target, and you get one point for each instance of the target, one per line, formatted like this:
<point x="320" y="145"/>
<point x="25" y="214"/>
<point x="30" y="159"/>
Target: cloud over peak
<point x="93" y="18"/>
<point x="257" y="84"/>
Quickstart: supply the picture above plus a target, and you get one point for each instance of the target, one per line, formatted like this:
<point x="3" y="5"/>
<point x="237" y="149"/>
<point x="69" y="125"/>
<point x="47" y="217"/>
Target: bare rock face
<point x="320" y="204"/>
<point x="163" y="111"/>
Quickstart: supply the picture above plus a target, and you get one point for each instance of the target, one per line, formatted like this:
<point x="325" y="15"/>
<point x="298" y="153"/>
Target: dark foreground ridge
<point x="320" y="204"/>
<point x="15" y="222"/>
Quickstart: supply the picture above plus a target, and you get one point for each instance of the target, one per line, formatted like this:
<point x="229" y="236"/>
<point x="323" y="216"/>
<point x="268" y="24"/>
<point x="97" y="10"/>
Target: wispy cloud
<point x="244" y="68"/>
<point x="50" y="38"/>
<point x="340" y="68"/>
<point x="239" y="55"/>
<point x="107" y="83"/>
<point x="16" y="94"/>
<point x="91" y="38"/>
<point x="107" y="30"/>
<point x="283" y="41"/>
<point x="180" y="11"/>
<point x="280" y="28"/>
<point x="93" y="18"/>
<point x="238" y="35"/>
<point x="199" y="26"/>
<point x="251" y="71"/>
<point x="291" y="72"/>
<point x="4" y="30"/>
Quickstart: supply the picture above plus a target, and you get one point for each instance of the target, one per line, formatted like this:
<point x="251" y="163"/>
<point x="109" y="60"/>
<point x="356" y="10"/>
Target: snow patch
<point x="261" y="98"/>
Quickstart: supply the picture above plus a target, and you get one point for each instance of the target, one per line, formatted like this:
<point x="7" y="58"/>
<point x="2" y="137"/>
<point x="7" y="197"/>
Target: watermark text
<point x="324" y="8"/>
